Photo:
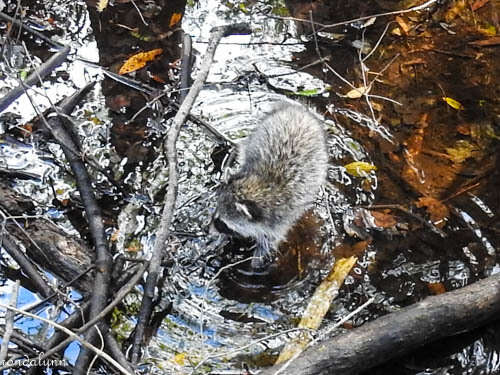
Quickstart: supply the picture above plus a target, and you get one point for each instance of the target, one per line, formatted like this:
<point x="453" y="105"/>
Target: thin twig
<point x="19" y="24"/>
<point x="171" y="196"/>
<point x="118" y="299"/>
<point x="71" y="334"/>
<point x="9" y="322"/>
<point x="26" y="265"/>
<point x="35" y="77"/>
<point x="355" y="20"/>
<point x="186" y="66"/>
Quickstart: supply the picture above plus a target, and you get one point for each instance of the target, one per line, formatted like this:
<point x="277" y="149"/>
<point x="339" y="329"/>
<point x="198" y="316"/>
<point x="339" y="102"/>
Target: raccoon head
<point x="235" y="214"/>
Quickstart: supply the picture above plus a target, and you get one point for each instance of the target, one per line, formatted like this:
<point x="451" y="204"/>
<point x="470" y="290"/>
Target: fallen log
<point x="400" y="332"/>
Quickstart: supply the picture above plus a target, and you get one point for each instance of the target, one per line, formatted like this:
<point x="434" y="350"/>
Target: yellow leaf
<point x="455" y="104"/>
<point x="101" y="5"/>
<point x="180" y="359"/>
<point x="357" y="92"/>
<point x="139" y="61"/>
<point x="174" y="20"/>
<point x="359" y="168"/>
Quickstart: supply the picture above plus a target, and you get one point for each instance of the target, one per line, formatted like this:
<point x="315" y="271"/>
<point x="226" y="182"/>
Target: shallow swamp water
<point x="410" y="109"/>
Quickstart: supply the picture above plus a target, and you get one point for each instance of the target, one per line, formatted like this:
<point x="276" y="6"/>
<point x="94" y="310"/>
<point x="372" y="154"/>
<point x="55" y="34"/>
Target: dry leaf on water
<point x="139" y="61"/>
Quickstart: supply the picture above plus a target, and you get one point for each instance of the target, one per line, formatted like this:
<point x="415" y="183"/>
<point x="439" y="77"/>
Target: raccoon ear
<point x="250" y="209"/>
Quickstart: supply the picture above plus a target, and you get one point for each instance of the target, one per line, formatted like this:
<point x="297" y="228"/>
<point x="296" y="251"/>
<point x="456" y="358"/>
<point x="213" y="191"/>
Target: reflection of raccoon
<point x="283" y="163"/>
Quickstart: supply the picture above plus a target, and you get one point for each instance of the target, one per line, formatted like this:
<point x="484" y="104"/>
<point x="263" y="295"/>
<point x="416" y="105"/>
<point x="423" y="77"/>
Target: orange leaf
<point x="139" y="61"/>
<point x="174" y="20"/>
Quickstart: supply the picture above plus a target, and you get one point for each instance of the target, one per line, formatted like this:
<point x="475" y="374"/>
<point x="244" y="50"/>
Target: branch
<point x="26" y="265"/>
<point x="93" y="212"/>
<point x="398" y="333"/>
<point x="171" y="196"/>
<point x="35" y="77"/>
<point x="118" y="298"/>
<point x="9" y="322"/>
<point x="73" y="336"/>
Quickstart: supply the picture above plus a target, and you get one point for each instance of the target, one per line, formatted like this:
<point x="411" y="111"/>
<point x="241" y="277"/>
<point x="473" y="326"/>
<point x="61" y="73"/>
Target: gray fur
<point x="283" y="164"/>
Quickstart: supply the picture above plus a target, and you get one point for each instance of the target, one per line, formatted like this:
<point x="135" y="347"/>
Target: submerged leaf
<point x="462" y="150"/>
<point x="357" y="92"/>
<point x="139" y="61"/>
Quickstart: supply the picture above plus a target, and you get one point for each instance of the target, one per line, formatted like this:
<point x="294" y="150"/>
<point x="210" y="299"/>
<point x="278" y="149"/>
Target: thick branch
<point x="96" y="225"/>
<point x="398" y="333"/>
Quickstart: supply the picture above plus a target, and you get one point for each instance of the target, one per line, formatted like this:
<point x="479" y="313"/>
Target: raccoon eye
<point x="221" y="226"/>
<point x="250" y="209"/>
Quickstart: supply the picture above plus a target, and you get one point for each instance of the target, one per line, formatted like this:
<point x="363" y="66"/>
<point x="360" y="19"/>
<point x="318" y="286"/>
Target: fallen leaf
<point x="436" y="288"/>
<point x="455" y="104"/>
<point x="478" y="4"/>
<point x="359" y="168"/>
<point x="438" y="211"/>
<point x="383" y="220"/>
<point x="174" y="20"/>
<point x="101" y="5"/>
<point x="357" y="92"/>
<point x="462" y="150"/>
<point x="180" y="359"/>
<point x="139" y="61"/>
<point x="310" y="92"/>
<point x="403" y="25"/>
<point x="464" y="129"/>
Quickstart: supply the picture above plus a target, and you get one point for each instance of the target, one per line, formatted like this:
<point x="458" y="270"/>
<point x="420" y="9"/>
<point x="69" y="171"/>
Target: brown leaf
<point x="437" y="211"/>
<point x="436" y="288"/>
<point x="383" y="220"/>
<point x="478" y="4"/>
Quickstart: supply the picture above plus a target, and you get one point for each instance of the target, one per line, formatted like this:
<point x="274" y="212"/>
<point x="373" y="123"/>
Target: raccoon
<point x="283" y="164"/>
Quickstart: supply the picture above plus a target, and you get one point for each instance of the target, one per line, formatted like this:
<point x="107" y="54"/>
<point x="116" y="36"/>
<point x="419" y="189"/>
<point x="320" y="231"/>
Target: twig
<point x="139" y="11"/>
<point x="186" y="66"/>
<point x="348" y="22"/>
<point x="19" y="24"/>
<point x="118" y="298"/>
<point x="151" y="91"/>
<point x="73" y="335"/>
<point x="171" y="196"/>
<point x="66" y="285"/>
<point x="44" y="69"/>
<point x="9" y="322"/>
<point x="250" y="344"/>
